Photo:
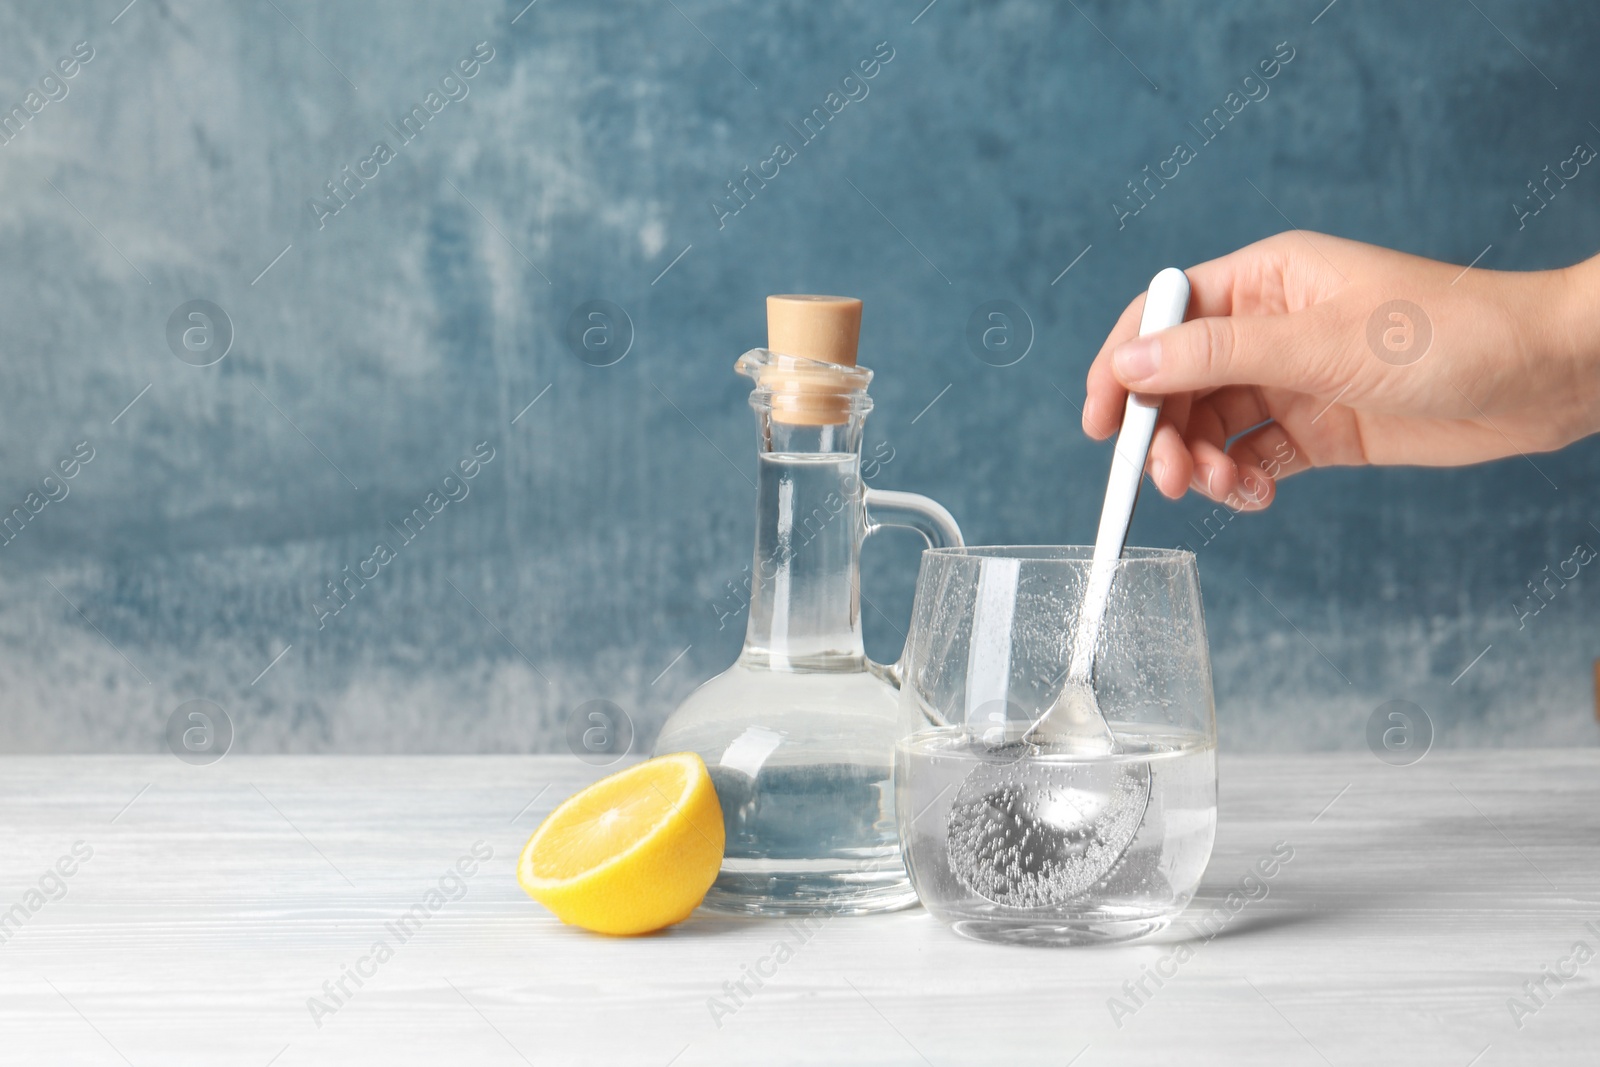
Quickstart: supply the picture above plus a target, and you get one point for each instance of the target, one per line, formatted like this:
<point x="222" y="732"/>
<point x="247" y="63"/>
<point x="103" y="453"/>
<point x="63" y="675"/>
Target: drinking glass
<point x="991" y="637"/>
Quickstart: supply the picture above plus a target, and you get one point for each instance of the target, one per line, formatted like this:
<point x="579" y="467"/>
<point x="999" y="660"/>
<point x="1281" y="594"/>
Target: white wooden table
<point x="218" y="900"/>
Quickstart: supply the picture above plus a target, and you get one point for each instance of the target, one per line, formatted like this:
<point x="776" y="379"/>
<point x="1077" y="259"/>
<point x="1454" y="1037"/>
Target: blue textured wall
<point x="584" y="161"/>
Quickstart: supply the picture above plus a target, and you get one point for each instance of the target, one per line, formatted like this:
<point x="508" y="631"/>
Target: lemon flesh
<point x="631" y="853"/>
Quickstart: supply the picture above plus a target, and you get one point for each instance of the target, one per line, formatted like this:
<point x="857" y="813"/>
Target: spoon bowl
<point x="1032" y="833"/>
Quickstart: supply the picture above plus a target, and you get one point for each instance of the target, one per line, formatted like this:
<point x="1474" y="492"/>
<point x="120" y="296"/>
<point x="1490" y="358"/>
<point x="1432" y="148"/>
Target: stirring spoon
<point x="1027" y="833"/>
<point x="1075" y="717"/>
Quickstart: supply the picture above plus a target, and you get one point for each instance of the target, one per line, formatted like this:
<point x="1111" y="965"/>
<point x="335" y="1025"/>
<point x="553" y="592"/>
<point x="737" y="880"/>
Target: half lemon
<point x="631" y="853"/>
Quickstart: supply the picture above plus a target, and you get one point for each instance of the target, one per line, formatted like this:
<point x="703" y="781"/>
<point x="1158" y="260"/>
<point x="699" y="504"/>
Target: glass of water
<point x="991" y="637"/>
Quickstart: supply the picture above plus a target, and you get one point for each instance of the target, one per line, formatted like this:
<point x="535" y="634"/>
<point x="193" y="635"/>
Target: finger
<point x="1213" y="421"/>
<point x="1215" y="474"/>
<point x="1237" y="408"/>
<point x="1106" y="402"/>
<point x="1211" y="289"/>
<point x="1103" y="401"/>
<point x="1252" y="490"/>
<point x="1262" y="458"/>
<point x="1299" y="351"/>
<point x="1213" y="469"/>
<point x="1211" y="293"/>
<point x="1213" y="285"/>
<point x="1104" y="395"/>
<point x="1126" y="329"/>
<point x="1272" y="451"/>
<point x="1170" y="464"/>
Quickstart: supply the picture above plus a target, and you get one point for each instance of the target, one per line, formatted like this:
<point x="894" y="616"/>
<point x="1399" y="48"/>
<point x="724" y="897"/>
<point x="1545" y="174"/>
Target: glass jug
<point x="799" y="733"/>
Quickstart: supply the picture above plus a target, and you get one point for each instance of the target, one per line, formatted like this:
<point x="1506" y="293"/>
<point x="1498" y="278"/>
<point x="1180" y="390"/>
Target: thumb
<point x="1299" y="351"/>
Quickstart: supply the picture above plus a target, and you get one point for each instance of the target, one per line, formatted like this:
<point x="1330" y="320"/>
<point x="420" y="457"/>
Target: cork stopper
<point x="821" y="328"/>
<point x="824" y="328"/>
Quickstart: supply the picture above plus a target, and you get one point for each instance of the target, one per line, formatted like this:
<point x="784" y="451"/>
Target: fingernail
<point x="1138" y="359"/>
<point x="1158" y="470"/>
<point x="1207" y="475"/>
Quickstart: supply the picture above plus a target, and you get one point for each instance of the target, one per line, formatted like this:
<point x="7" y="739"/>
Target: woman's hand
<point x="1305" y="350"/>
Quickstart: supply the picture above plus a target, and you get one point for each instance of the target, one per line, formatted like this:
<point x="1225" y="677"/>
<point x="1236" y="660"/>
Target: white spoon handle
<point x="1164" y="305"/>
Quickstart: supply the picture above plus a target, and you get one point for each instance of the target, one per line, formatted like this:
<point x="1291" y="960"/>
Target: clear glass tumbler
<point x="991" y="637"/>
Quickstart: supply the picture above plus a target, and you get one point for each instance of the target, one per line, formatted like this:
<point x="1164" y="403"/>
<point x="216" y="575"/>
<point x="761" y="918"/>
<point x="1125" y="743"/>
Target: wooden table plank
<point x="218" y="900"/>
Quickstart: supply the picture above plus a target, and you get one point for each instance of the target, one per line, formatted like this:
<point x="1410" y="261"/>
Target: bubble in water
<point x="1033" y="834"/>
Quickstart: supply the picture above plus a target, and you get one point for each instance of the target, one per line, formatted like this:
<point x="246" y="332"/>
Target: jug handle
<point x="913" y="511"/>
